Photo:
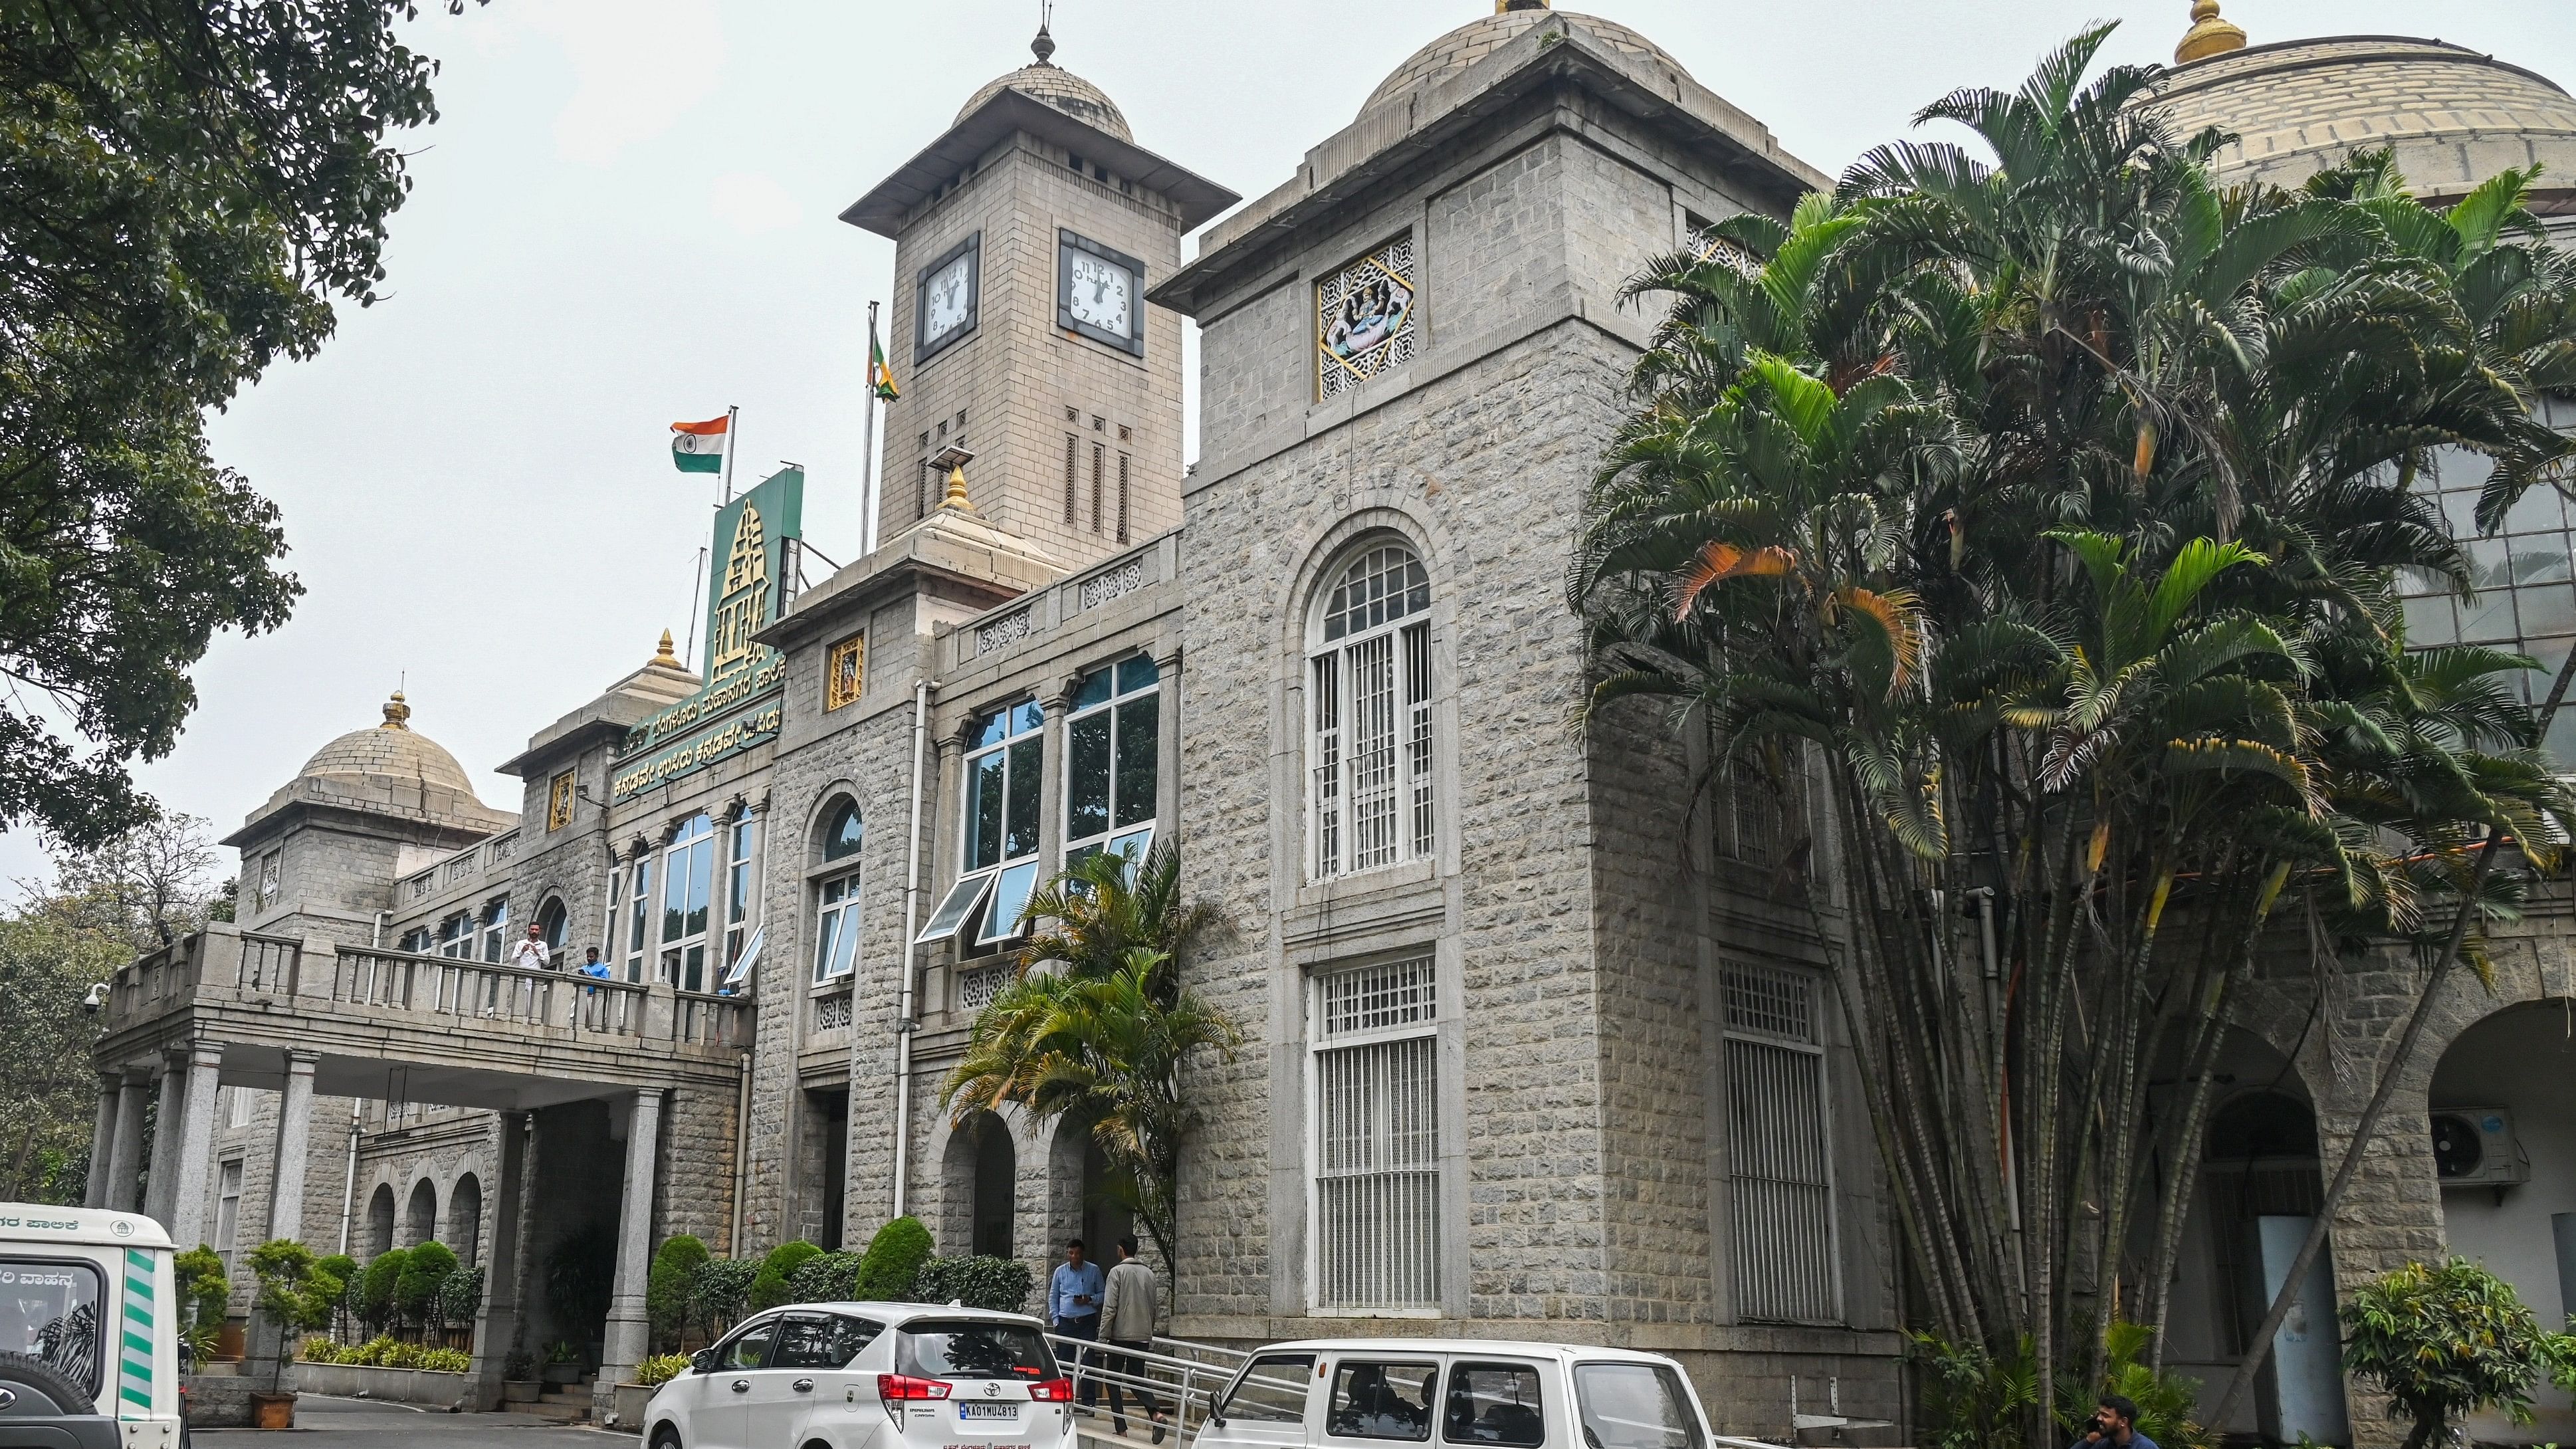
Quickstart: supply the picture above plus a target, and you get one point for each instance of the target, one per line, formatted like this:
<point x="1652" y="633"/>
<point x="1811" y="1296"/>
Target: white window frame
<point x="271" y="868"/>
<point x="742" y="889"/>
<point x="672" y="952"/>
<point x="1380" y="666"/>
<point x="1004" y="886"/>
<point x="457" y="936"/>
<point x="228" y="1195"/>
<point x="637" y="881"/>
<point x="837" y="918"/>
<point x="492" y="923"/>
<point x="1772" y="1016"/>
<point x="1136" y="837"/>
<point x="1408" y="1040"/>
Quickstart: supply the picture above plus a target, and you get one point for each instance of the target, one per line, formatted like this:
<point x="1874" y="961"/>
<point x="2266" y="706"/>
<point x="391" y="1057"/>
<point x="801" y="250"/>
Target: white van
<point x="843" y="1374"/>
<point x="89" y="1344"/>
<point x="1373" y="1393"/>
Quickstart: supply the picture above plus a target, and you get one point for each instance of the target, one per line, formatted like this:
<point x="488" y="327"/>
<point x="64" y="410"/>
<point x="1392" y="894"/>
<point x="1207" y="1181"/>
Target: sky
<point x="626" y="216"/>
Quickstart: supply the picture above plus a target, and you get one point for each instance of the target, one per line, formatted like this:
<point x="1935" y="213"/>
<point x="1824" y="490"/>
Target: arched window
<point x="551" y="919"/>
<point x="688" y="874"/>
<point x="836" y="923"/>
<point x="1369" y="753"/>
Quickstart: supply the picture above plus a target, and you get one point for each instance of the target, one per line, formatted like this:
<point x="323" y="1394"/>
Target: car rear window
<point x="49" y="1310"/>
<point x="1634" y="1406"/>
<point x="971" y="1349"/>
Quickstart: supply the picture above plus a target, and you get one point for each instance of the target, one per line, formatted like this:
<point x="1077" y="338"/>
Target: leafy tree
<point x="769" y="1287"/>
<point x="379" y="1300"/>
<point x="2038" y="519"/>
<point x="667" y="1285"/>
<point x="426" y="1267"/>
<point x="294" y="1294"/>
<point x="1104" y="906"/>
<point x="459" y="1299"/>
<point x="581" y="1273"/>
<point x="191" y="187"/>
<point x="352" y="1286"/>
<point x="2446" y="1341"/>
<point x="891" y="1266"/>
<point x="204" y="1292"/>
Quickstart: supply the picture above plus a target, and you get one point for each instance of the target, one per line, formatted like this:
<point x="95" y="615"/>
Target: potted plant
<point x="296" y="1296"/>
<point x="563" y="1363"/>
<point x="519" y="1381"/>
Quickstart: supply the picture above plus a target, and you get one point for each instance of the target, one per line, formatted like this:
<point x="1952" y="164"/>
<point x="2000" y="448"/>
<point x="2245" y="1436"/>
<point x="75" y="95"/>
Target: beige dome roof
<point x="2455" y="117"/>
<point x="1061" y="89"/>
<point x="389" y="753"/>
<point x="1476" y="39"/>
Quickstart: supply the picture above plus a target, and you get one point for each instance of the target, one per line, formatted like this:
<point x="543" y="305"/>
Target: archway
<point x="380" y="1221"/>
<point x="979" y="1187"/>
<point x="465" y="1219"/>
<point x="1085" y="1199"/>
<point x="2504" y="1150"/>
<point x="420" y="1221"/>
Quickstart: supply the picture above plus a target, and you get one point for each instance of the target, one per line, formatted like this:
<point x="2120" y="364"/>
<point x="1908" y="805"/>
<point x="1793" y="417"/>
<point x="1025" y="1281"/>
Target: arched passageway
<point x="420" y="1222"/>
<point x="465" y="1220"/>
<point x="380" y="1221"/>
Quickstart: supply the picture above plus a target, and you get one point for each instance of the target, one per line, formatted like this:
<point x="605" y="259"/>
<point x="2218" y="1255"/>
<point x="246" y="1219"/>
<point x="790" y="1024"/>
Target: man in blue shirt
<point x="1073" y="1306"/>
<point x="2114" y="1426"/>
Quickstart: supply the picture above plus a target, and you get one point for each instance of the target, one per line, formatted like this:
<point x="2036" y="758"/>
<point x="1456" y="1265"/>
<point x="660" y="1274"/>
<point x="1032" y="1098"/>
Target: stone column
<point x="160" y="1193"/>
<point x="196" y="1147"/>
<point x="1167" y="747"/>
<point x="627" y="1337"/>
<point x="102" y="1140"/>
<point x="294" y="1148"/>
<point x="1053" y="741"/>
<point x="125" y="1162"/>
<point x="494" y="1326"/>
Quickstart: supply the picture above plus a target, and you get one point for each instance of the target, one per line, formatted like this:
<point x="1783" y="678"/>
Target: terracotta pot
<point x="272" y="1411"/>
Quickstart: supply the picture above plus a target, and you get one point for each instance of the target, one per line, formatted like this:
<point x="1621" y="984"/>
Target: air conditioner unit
<point x="2474" y="1147"/>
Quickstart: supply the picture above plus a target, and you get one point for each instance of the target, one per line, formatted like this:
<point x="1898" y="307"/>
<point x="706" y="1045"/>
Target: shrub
<point x="416" y="1291"/>
<point x="660" y="1369"/>
<point x="294" y="1294"/>
<point x="824" y="1278"/>
<point x="317" y="1349"/>
<point x="1000" y="1284"/>
<point x="2165" y="1401"/>
<point x="1971" y="1399"/>
<point x="581" y="1272"/>
<point x="519" y="1366"/>
<point x="445" y="1360"/>
<point x="769" y="1286"/>
<point x="888" y="1273"/>
<point x="667" y="1288"/>
<point x="352" y="1286"/>
<point x="2446" y="1341"/>
<point x="721" y="1291"/>
<point x="460" y="1296"/>
<point x="376" y="1307"/>
<point x="204" y="1290"/>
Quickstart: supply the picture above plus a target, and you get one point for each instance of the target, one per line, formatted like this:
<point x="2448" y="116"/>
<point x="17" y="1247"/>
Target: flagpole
<point x="868" y="448"/>
<point x="733" y="443"/>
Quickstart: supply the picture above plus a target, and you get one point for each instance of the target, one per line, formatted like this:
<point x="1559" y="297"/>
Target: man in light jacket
<point x="1128" y="1309"/>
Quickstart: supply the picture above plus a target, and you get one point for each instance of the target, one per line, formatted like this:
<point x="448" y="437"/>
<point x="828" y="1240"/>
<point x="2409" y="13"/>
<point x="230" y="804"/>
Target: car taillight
<point x="893" y="1387"/>
<point x="1053" y="1391"/>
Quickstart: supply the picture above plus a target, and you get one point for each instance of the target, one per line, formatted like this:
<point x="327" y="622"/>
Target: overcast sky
<point x="626" y="217"/>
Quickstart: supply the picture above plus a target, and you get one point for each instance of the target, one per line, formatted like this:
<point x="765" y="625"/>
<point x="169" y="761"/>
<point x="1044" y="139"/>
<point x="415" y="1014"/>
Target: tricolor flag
<point x="880" y="376"/>
<point x="700" y="447"/>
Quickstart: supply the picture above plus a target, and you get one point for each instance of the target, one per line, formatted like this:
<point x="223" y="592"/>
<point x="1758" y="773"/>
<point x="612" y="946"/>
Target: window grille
<point x="1122" y="494"/>
<point x="921" y="492"/>
<point x="1756" y="820"/>
<point x="1778" y="1148"/>
<point x="1372" y="800"/>
<point x="1377" y="1139"/>
<point x="1099" y="456"/>
<point x="1070" y="443"/>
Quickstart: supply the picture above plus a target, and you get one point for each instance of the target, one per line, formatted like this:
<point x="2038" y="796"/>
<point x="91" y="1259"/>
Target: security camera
<point x="97" y="997"/>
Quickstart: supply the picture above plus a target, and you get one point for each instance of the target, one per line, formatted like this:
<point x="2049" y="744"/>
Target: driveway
<point x="327" y="1423"/>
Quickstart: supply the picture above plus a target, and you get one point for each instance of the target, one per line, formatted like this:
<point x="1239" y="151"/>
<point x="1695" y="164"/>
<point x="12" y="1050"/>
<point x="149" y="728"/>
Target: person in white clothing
<point x="531" y="953"/>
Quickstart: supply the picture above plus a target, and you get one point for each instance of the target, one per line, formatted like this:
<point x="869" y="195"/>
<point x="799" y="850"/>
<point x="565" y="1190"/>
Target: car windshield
<point x="49" y="1311"/>
<point x="972" y="1349"/>
<point x="1634" y="1406"/>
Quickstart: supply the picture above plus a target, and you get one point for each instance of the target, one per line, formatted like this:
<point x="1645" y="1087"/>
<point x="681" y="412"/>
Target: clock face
<point x="1100" y="293"/>
<point x="945" y="298"/>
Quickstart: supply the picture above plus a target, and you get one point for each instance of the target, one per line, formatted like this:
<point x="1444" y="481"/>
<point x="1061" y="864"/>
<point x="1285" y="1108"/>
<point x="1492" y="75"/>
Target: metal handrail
<point x="1188" y="1375"/>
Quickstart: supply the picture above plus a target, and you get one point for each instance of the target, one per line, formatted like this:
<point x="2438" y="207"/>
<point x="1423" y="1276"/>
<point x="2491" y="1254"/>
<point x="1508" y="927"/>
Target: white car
<point x="839" y="1375"/>
<point x="1368" y="1393"/>
<point x="89" y="1331"/>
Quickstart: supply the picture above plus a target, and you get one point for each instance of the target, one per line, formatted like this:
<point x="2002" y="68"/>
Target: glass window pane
<point x="1494" y="1403"/>
<point x="843" y="837"/>
<point x="825" y="930"/>
<point x="1026" y="717"/>
<point x="51" y="1312"/>
<point x="2536" y="509"/>
<point x="1137" y="673"/>
<point x="750" y="1350"/>
<point x="1381" y="1401"/>
<point x="1094" y="689"/>
<point x="1139" y="761"/>
<point x="992" y="729"/>
<point x="2546" y="611"/>
<point x="951" y="916"/>
<point x="1087" y="766"/>
<point x="1027" y="774"/>
<point x="845" y="953"/>
<point x="984" y="812"/>
<point x="2489" y="620"/>
<point x="1272" y="1390"/>
<point x="2539" y="558"/>
<point x="1634" y="1406"/>
<point x="701" y="864"/>
<point x="2428" y="621"/>
<point x="1011" y="890"/>
<point x="675" y="898"/>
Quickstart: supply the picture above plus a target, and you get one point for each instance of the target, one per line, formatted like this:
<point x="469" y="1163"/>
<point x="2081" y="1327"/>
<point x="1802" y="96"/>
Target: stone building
<point x="1532" y="1049"/>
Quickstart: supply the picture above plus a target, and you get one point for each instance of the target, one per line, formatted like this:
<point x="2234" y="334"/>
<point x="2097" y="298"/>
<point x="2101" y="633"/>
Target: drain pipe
<point x="349" y="1181"/>
<point x="903" y="1022"/>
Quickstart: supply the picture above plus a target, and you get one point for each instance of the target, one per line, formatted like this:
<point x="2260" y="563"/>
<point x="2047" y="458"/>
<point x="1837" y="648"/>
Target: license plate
<point x="988" y="1411"/>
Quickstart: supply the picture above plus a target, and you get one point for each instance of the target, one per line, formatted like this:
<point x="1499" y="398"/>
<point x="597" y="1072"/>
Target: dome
<point x="390" y="753"/>
<point x="2454" y="116"/>
<point x="1476" y="39"/>
<point x="1057" y="87"/>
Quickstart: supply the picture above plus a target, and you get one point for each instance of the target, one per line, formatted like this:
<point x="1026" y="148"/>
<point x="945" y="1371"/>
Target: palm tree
<point x="1105" y="905"/>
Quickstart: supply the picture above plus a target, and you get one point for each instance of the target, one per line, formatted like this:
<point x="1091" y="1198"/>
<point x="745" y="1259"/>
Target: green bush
<point x="204" y="1290"/>
<point x="416" y="1291"/>
<point x="892" y="1266"/>
<point x="824" y="1278"/>
<point x="2447" y="1341"/>
<point x="294" y="1294"/>
<point x="352" y="1285"/>
<point x="660" y="1369"/>
<point x="2165" y="1401"/>
<point x="1000" y="1284"/>
<point x="445" y="1361"/>
<point x="376" y="1306"/>
<point x="721" y="1291"/>
<point x="1972" y="1399"/>
<point x="460" y="1297"/>
<point x="666" y="1288"/>
<point x="769" y="1288"/>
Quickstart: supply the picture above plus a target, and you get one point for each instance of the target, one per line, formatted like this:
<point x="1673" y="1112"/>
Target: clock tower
<point x="1026" y="238"/>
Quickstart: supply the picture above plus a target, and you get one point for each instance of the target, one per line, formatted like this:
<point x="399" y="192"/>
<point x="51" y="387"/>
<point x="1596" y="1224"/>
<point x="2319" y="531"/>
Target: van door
<point x="1265" y="1407"/>
<point x="719" y="1411"/>
<point x="1494" y="1404"/>
<point x="1375" y="1402"/>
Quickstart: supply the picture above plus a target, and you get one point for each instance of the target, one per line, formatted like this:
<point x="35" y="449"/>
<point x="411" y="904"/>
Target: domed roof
<point x="2454" y="116"/>
<point x="389" y="753"/>
<point x="1476" y="39"/>
<point x="1045" y="81"/>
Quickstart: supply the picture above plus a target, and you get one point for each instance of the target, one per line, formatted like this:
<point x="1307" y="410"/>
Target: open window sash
<point x="741" y="968"/>
<point x="960" y="903"/>
<point x="1012" y="887"/>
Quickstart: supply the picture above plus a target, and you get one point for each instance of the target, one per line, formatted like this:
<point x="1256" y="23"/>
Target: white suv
<point x="1379" y="1393"/>
<point x="835" y="1374"/>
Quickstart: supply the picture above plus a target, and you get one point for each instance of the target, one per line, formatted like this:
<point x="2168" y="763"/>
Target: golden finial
<point x="395" y="713"/>
<point x="664" y="655"/>
<point x="955" y="459"/>
<point x="2208" y="35"/>
<point x="1505" y="7"/>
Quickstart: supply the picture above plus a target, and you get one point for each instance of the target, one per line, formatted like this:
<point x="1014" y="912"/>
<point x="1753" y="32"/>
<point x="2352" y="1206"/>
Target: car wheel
<point x="33" y="1379"/>
<point x="666" y="1437"/>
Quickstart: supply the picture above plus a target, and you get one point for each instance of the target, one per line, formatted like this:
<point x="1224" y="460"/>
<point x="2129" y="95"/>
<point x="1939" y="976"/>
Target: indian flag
<point x="699" y="447"/>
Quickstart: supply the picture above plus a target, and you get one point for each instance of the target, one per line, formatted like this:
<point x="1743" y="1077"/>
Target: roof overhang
<point x="885" y="207"/>
<point x="555" y="746"/>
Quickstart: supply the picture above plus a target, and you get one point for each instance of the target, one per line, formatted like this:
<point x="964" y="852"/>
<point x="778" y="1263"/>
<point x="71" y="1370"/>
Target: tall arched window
<point x="1369" y="754"/>
<point x="836" y="924"/>
<point x="688" y="867"/>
